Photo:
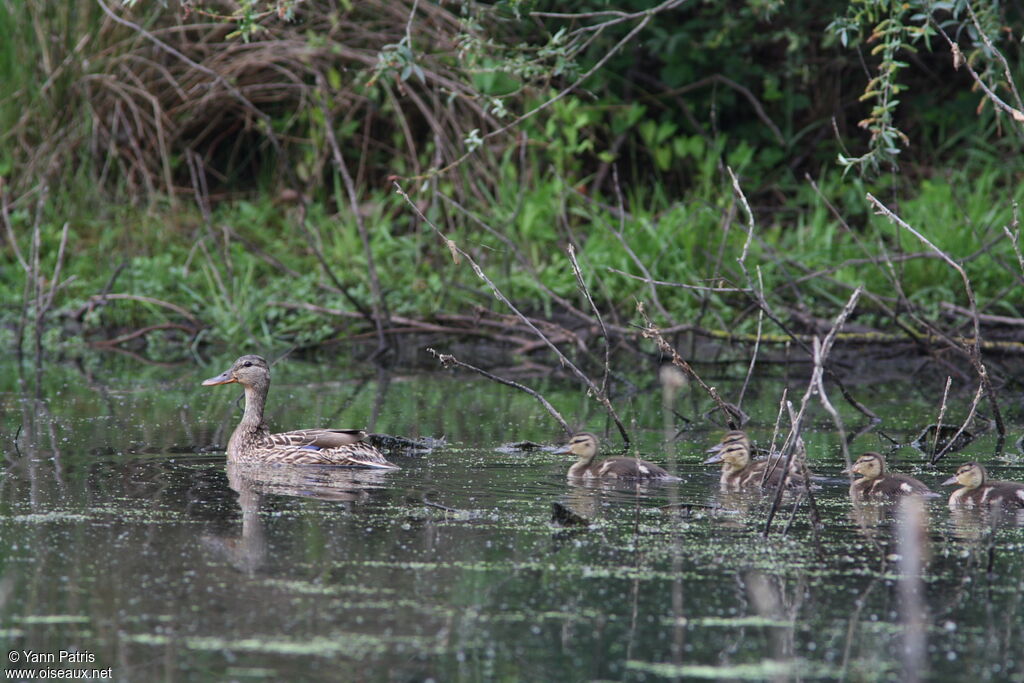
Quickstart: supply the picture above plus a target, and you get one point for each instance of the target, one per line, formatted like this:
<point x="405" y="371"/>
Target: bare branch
<point x="448" y="360"/>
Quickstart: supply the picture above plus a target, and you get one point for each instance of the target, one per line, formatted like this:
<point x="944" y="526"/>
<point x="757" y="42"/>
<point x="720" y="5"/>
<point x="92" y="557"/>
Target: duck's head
<point x="733" y="449"/>
<point x="582" y="445"/>
<point x="247" y="371"/>
<point x="871" y="465"/>
<point x="969" y="475"/>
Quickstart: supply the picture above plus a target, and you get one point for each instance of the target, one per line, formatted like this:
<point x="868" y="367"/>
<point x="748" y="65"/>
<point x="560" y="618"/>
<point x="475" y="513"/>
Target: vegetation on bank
<point x="228" y="174"/>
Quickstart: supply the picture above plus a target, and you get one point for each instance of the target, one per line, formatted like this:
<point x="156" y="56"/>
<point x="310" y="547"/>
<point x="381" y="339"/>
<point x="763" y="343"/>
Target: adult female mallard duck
<point x="741" y="471"/>
<point x="978" y="490"/>
<point x="584" y="446"/>
<point x="877" y="482"/>
<point x="253" y="443"/>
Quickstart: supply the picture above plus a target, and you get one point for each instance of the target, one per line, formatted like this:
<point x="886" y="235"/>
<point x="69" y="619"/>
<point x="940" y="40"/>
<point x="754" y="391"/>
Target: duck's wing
<point x="319" y="438"/>
<point x="776" y="471"/>
<point x="904" y="484"/>
<point x="340" y="447"/>
<point x="1008" y="492"/>
<point x="632" y="468"/>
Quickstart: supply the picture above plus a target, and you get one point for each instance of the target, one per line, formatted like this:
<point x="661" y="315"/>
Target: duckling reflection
<point x="869" y="516"/>
<point x="248" y="551"/>
<point x="583" y="501"/>
<point x="976" y="525"/>
<point x="766" y="593"/>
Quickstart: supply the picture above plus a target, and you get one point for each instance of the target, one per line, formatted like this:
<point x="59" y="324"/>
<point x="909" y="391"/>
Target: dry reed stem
<point x="5" y="214"/>
<point x="448" y="360"/>
<point x="454" y="248"/>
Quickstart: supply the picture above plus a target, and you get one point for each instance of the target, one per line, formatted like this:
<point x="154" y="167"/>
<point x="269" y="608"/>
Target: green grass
<point x="175" y="257"/>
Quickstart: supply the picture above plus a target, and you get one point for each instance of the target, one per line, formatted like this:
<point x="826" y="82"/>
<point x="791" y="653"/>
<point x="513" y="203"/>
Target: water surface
<point x="124" y="535"/>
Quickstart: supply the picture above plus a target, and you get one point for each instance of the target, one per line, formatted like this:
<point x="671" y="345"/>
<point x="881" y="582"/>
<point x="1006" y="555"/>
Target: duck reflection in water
<point x="247" y="552"/>
<point x="767" y="595"/>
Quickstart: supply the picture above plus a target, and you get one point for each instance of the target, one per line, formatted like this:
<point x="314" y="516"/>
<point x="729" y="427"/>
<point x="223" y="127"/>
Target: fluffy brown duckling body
<point x="584" y="446"/>
<point x="741" y="471"/>
<point x="877" y="482"/>
<point x="252" y="442"/>
<point x="978" y="490"/>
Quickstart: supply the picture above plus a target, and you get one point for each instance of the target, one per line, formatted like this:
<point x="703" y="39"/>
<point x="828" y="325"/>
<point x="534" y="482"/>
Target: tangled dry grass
<point x="173" y="93"/>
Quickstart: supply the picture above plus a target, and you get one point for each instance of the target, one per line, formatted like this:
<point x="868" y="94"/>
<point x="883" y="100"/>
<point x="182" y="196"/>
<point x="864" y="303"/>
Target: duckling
<point x="584" y="446"/>
<point x="739" y="471"/>
<point x="876" y="482"/>
<point x="978" y="490"/>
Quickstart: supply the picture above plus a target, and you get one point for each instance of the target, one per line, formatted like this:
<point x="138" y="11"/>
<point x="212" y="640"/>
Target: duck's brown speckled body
<point x="253" y="443"/>
<point x="584" y="446"/>
<point x="741" y="471"/>
<point x="979" y="491"/>
<point x="877" y="482"/>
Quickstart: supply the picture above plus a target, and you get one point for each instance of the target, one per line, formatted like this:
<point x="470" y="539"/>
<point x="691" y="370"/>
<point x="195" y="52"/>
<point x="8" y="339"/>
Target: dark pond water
<point x="122" y="543"/>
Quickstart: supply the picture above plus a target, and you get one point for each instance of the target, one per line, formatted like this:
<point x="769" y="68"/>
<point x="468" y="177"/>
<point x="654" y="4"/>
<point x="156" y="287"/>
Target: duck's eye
<point x="247" y="363"/>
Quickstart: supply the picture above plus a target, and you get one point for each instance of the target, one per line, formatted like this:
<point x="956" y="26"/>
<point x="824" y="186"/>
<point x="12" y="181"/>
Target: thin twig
<point x="757" y="345"/>
<point x="762" y="303"/>
<point x="380" y="310"/>
<point x="831" y="410"/>
<point x="959" y="60"/>
<point x="600" y="321"/>
<point x="942" y="413"/>
<point x="454" y="248"/>
<point x="975" y="347"/>
<point x="448" y="360"/>
<point x="789" y="447"/>
<point x="651" y="332"/>
<point x="678" y="285"/>
<point x="936" y="457"/>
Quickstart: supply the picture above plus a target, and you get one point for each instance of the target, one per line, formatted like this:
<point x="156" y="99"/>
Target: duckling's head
<point x="582" y="445"/>
<point x="970" y="475"/>
<point x="733" y="450"/>
<point x="871" y="465"/>
<point x="248" y="371"/>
